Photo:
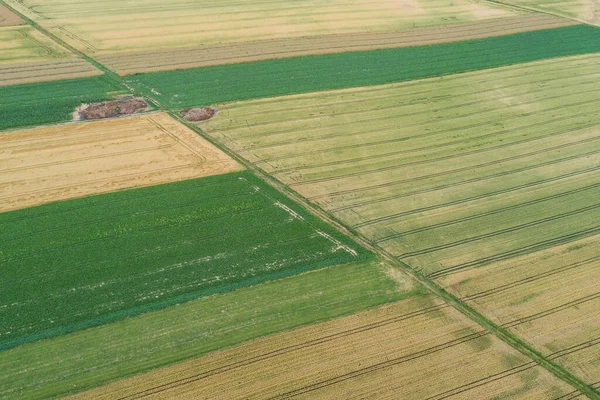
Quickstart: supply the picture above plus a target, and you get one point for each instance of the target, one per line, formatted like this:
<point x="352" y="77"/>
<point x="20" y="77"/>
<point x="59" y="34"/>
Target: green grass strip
<point x="92" y="357"/>
<point x="211" y="85"/>
<point x="51" y="102"/>
<point x="85" y="262"/>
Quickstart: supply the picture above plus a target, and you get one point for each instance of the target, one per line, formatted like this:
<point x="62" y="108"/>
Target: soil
<point x="198" y="113"/>
<point x="113" y="108"/>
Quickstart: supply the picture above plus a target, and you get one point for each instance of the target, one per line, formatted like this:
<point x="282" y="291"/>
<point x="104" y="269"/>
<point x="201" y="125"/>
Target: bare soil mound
<point x="198" y="113"/>
<point x="113" y="108"/>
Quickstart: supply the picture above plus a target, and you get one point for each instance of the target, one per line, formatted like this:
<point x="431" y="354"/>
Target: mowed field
<point x="146" y="249"/>
<point x="95" y="356"/>
<point x="27" y="56"/>
<point x="450" y="175"/>
<point x="48" y="164"/>
<point x="417" y="348"/>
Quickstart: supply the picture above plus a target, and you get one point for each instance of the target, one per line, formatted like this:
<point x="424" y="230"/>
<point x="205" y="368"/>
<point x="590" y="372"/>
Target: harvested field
<point x="151" y="248"/>
<point x="224" y="83"/>
<point x="109" y="109"/>
<point x="98" y="355"/>
<point x="49" y="164"/>
<point x="192" y="57"/>
<point x="455" y="176"/>
<point x="8" y="18"/>
<point x="142" y="25"/>
<point x="27" y="56"/>
<point x="413" y="349"/>
<point x="50" y="102"/>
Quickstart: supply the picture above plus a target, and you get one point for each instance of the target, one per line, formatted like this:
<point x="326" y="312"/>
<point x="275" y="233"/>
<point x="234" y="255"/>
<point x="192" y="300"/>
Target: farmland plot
<point x="581" y="10"/>
<point x="48" y="164"/>
<point x="224" y="83"/>
<point x="149" y="248"/>
<point x="131" y="27"/>
<point x="50" y="102"/>
<point x="8" y="18"/>
<point x="166" y="59"/>
<point x="98" y="355"/>
<point x="416" y="348"/>
<point x="28" y="56"/>
<point x="452" y="174"/>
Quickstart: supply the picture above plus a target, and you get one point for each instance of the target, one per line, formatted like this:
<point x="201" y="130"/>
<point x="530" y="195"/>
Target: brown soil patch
<point x="113" y="108"/>
<point x="54" y="163"/>
<point x="198" y="113"/>
<point x="8" y="18"/>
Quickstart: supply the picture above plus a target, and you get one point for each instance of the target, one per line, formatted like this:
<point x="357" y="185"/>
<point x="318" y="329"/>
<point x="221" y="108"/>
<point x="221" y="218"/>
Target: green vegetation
<point x="204" y="86"/>
<point x="51" y="102"/>
<point x="84" y="262"/>
<point x="95" y="356"/>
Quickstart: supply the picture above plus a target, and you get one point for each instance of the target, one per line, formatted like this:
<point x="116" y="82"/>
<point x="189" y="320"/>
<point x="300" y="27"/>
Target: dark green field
<point x="211" y="85"/>
<point x="50" y="102"/>
<point x="79" y="263"/>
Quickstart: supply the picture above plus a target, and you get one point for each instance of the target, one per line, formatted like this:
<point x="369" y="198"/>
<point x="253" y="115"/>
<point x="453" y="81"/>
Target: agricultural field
<point x="388" y="352"/>
<point x="8" y="18"/>
<point x="224" y="83"/>
<point x="52" y="102"/>
<point x="129" y="30"/>
<point x="580" y="10"/>
<point x="145" y="249"/>
<point x="466" y="179"/>
<point x="217" y="54"/>
<point x="28" y="56"/>
<point x="97" y="355"/>
<point x="300" y="199"/>
<point x="42" y="165"/>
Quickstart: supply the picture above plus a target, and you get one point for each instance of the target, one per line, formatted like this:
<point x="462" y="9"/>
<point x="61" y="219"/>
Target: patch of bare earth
<point x="198" y="113"/>
<point x="8" y="18"/>
<point x="115" y="108"/>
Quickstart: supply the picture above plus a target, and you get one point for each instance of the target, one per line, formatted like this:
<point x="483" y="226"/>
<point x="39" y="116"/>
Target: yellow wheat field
<point x="413" y="349"/>
<point x="55" y="163"/>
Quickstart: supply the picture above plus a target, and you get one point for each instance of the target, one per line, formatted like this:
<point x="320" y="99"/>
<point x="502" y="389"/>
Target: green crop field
<point x="50" y="102"/>
<point x="148" y="248"/>
<point x="94" y="356"/>
<point x="205" y="86"/>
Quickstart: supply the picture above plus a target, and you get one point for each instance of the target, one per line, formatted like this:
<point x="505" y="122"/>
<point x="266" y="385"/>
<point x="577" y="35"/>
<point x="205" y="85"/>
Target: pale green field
<point x="451" y="175"/>
<point x="95" y="356"/>
<point x="20" y="44"/>
<point x="118" y="26"/>
<point x="27" y="56"/>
